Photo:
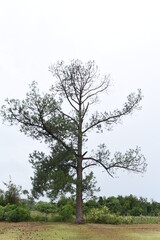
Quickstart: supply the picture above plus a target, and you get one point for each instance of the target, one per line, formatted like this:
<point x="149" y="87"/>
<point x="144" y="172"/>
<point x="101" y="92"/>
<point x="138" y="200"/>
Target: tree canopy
<point x="62" y="119"/>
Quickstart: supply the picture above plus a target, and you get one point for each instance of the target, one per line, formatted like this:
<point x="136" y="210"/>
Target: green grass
<point x="145" y="232"/>
<point x="145" y="236"/>
<point x="64" y="231"/>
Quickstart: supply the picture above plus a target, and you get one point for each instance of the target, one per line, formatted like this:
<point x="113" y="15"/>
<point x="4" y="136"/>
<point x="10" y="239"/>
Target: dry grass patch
<point x="63" y="231"/>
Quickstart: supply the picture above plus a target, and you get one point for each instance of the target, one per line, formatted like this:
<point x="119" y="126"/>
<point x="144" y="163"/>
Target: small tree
<point x="2" y="198"/>
<point x="12" y="194"/>
<point x="65" y="129"/>
<point x="45" y="207"/>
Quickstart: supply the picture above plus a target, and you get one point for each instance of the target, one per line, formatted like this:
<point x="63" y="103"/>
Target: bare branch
<point x="98" y="161"/>
<point x="68" y="97"/>
<point x="94" y="91"/>
<point x="89" y="165"/>
<point x="110" y="118"/>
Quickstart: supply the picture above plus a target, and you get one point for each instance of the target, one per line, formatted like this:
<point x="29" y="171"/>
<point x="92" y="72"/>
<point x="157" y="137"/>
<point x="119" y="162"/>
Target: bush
<point x="66" y="212"/>
<point x="1" y="213"/>
<point x="40" y="217"/>
<point x="16" y="213"/>
<point x="98" y="215"/>
<point x="45" y="207"/>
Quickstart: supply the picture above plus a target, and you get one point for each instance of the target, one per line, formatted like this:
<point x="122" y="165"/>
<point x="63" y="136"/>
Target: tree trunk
<point x="79" y="187"/>
<point x="79" y="201"/>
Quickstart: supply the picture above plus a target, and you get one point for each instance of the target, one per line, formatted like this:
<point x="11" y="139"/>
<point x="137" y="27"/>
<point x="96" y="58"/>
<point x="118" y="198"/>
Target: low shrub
<point x="40" y="217"/>
<point x="102" y="215"/>
<point x="66" y="213"/>
<point x="1" y="213"/>
<point x="98" y="215"/>
<point x="16" y="213"/>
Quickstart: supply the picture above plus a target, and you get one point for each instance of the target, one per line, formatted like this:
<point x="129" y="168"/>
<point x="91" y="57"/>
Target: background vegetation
<point x="17" y="205"/>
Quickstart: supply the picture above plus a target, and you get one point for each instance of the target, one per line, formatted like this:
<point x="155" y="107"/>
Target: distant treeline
<point x="14" y="207"/>
<point x="128" y="205"/>
<point x="114" y="210"/>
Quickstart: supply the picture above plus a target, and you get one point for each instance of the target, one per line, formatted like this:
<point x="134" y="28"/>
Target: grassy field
<point x="62" y="231"/>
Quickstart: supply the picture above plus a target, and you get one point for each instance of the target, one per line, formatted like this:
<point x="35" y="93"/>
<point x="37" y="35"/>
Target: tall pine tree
<point x="61" y="118"/>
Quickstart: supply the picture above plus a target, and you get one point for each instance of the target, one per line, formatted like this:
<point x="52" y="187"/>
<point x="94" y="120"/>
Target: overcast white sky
<point x="123" y="37"/>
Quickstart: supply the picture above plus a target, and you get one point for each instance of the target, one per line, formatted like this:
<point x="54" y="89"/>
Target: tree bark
<point x="79" y="200"/>
<point x="79" y="187"/>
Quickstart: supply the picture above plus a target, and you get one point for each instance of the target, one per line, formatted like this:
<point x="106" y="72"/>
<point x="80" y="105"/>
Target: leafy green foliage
<point x="113" y="204"/>
<point x="125" y="206"/>
<point x="45" y="207"/>
<point x="64" y="201"/>
<point x="12" y="194"/>
<point x="102" y="215"/>
<point x="98" y="215"/>
<point x="1" y="213"/>
<point x="16" y="213"/>
<point x="53" y="173"/>
<point x="12" y="207"/>
<point x="2" y="198"/>
<point x="66" y="212"/>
